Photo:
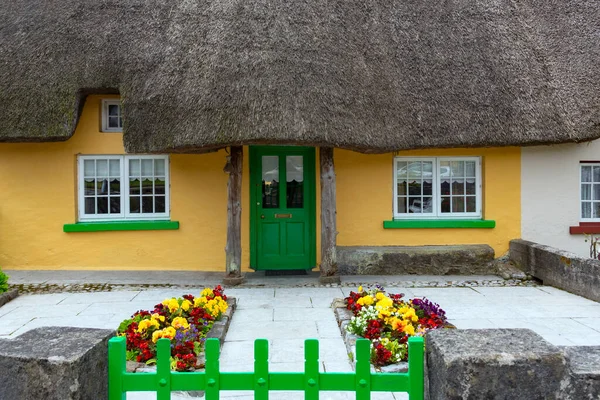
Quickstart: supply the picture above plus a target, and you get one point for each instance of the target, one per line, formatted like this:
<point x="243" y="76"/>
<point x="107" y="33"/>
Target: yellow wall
<point x="38" y="195"/>
<point x="367" y="179"/>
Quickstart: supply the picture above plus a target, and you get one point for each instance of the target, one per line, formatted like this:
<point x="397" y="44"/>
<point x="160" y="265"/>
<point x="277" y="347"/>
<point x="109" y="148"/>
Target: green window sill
<point x="121" y="226"/>
<point x="439" y="223"/>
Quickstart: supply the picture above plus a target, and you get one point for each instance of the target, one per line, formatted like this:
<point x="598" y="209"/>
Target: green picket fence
<point x="261" y="381"/>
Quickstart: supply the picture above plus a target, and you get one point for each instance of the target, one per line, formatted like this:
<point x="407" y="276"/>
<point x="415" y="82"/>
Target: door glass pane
<point x="270" y="182"/>
<point x="294" y="166"/>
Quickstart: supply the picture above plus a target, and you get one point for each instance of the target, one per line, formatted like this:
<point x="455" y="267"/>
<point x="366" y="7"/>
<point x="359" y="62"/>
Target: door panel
<point x="282" y="217"/>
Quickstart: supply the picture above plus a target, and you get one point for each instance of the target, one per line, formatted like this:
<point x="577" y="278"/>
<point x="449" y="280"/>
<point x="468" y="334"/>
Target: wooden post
<point x="233" y="248"/>
<point x="329" y="271"/>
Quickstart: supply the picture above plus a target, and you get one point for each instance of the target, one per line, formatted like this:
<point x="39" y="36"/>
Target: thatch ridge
<point x="372" y="75"/>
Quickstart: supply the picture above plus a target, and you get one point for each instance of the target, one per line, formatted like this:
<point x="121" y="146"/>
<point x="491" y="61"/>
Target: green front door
<point x="282" y="203"/>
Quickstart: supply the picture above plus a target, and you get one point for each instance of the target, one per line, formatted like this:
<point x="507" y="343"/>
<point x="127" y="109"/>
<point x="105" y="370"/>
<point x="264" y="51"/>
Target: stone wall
<point x="558" y="268"/>
<point x="473" y="259"/>
<point x="55" y="363"/>
<point x="508" y="364"/>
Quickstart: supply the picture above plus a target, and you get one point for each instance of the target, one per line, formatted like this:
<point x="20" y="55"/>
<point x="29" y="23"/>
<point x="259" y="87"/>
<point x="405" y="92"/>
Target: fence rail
<point x="261" y="381"/>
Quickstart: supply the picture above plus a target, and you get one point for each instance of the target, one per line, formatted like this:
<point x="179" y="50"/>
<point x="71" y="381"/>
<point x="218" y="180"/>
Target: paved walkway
<point x="286" y="316"/>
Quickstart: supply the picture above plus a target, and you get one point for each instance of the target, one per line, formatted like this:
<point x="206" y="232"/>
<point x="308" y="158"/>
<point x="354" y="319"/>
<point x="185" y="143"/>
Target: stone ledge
<point x="558" y="268"/>
<point x="584" y="373"/>
<point x="493" y="364"/>
<point x="474" y="259"/>
<point x="55" y="363"/>
<point x="8" y="296"/>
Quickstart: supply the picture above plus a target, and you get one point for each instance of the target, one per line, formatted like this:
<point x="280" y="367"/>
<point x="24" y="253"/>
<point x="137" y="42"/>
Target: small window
<point x="590" y="192"/>
<point x="437" y="187"/>
<point x="112" y="120"/>
<point x="123" y="187"/>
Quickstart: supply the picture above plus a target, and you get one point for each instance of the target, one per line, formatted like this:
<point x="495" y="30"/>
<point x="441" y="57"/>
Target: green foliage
<point x="3" y="282"/>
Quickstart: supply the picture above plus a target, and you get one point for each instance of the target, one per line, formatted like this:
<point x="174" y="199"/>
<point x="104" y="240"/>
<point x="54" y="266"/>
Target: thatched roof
<point x="372" y="75"/>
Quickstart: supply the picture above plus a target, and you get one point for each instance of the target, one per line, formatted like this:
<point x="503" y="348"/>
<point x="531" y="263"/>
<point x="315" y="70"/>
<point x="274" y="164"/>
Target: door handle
<point x="262" y="216"/>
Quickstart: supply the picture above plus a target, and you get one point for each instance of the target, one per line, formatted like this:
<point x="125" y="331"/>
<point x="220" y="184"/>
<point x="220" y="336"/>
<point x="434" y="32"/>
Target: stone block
<point x="8" y="296"/>
<point x="55" y="363"/>
<point x="493" y="364"/>
<point x="584" y="373"/>
<point x="558" y="268"/>
<point x="474" y="259"/>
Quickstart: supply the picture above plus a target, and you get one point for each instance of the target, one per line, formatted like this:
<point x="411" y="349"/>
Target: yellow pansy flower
<point x="409" y="330"/>
<point x="180" y="322"/>
<point x="186" y="304"/>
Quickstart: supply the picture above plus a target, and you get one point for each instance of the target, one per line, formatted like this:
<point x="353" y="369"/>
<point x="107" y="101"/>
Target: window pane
<point x="159" y="186"/>
<point x="102" y="203"/>
<point x="471" y="204"/>
<point x="402" y="188"/>
<point x="89" y="167"/>
<point x="470" y="185"/>
<point x="113" y="122"/>
<point x="147" y="204"/>
<point x="458" y="186"/>
<point x="445" y="206"/>
<point x="134" y="204"/>
<point x="445" y="187"/>
<point x="120" y="122"/>
<point x="427" y="187"/>
<point x="147" y="167"/>
<point x="101" y="186"/>
<point x="596" y="209"/>
<point x="415" y="205"/>
<point x="90" y="205"/>
<point x="113" y="109"/>
<point x="402" y="205"/>
<point x="427" y="169"/>
<point x="586" y="191"/>
<point x="586" y="210"/>
<point x="596" y="192"/>
<point x="458" y="168"/>
<point x="458" y="204"/>
<point x="101" y="168"/>
<point x="294" y="167"/>
<point x="586" y="174"/>
<point x="596" y="174"/>
<point x="414" y="170"/>
<point x="159" y="167"/>
<point x="134" y="186"/>
<point x="134" y="167"/>
<point x="445" y="169"/>
<point x="427" y="205"/>
<point x="115" y="205"/>
<point x="89" y="187"/>
<point x="414" y="188"/>
<point x="270" y="182"/>
<point x="401" y="169"/>
<point x="115" y="168"/>
<point x="147" y="186"/>
<point x="159" y="204"/>
<point x="115" y="186"/>
<point x="470" y="169"/>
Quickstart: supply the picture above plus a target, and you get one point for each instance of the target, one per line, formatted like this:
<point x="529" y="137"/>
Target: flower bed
<point x="388" y="320"/>
<point x="185" y="321"/>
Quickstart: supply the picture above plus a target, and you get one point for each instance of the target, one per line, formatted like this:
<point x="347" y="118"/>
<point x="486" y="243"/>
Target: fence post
<point x="212" y="371"/>
<point x="311" y="369"/>
<point x="163" y="369"/>
<point x="117" y="365"/>
<point x="363" y="369"/>
<point x="416" y="346"/>
<point x="261" y="369"/>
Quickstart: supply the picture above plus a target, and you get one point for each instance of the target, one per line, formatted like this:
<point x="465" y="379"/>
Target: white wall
<point x="550" y="194"/>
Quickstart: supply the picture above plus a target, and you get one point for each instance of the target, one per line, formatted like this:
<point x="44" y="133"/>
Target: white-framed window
<point x="589" y="178"/>
<point x="112" y="120"/>
<point x="132" y="187"/>
<point x="437" y="187"/>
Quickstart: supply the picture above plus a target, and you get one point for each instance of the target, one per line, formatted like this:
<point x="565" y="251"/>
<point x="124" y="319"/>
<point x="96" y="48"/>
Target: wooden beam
<point x="329" y="270"/>
<point x="233" y="248"/>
